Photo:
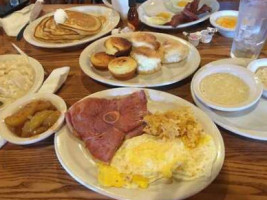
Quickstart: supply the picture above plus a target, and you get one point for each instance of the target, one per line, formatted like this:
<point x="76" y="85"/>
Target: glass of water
<point x="251" y="30"/>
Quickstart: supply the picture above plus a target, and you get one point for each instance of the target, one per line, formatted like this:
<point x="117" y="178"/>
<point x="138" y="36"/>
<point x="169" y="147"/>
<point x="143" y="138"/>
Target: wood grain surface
<point x="33" y="171"/>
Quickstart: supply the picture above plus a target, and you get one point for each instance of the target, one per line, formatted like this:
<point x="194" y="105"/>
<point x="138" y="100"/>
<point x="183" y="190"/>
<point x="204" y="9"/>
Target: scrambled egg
<point x="144" y="159"/>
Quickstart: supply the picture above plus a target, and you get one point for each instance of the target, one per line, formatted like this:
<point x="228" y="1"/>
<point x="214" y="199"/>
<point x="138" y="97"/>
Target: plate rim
<point x="232" y="129"/>
<point x="220" y="156"/>
<point x="179" y="26"/>
<point x="116" y="82"/>
<point x="40" y="44"/>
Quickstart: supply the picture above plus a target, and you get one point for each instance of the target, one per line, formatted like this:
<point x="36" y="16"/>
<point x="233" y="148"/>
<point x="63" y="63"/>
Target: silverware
<point x="36" y="10"/>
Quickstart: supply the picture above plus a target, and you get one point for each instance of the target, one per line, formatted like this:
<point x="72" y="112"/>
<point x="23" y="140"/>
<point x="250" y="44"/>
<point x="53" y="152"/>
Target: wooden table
<point x="33" y="172"/>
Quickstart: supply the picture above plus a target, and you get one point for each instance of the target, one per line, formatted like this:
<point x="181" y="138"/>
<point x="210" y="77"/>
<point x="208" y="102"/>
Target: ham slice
<point x="103" y="124"/>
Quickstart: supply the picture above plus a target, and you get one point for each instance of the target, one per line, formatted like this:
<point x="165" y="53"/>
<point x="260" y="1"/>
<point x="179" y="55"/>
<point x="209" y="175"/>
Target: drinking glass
<point x="251" y="30"/>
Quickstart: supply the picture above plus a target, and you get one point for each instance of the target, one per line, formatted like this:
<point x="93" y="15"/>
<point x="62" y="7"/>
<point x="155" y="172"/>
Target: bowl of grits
<point x="225" y="21"/>
<point x="227" y="87"/>
<point x="259" y="67"/>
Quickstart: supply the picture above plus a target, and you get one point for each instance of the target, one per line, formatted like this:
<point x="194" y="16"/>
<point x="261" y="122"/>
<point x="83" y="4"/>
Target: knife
<point x="36" y="10"/>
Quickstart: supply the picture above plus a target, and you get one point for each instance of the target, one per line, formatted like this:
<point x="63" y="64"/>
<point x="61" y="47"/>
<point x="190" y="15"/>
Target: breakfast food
<point x="123" y="67"/>
<point x="101" y="60"/>
<point x="145" y="40"/>
<point x="133" y="147"/>
<point x="16" y="79"/>
<point x="227" y="22"/>
<point x="34" y="118"/>
<point x="189" y="13"/>
<point x="145" y="54"/>
<point x="149" y="60"/>
<point x="262" y="74"/>
<point x="118" y="46"/>
<point x="173" y="51"/>
<point x="181" y="151"/>
<point x="107" y="122"/>
<point x="62" y="29"/>
<point x="224" y="89"/>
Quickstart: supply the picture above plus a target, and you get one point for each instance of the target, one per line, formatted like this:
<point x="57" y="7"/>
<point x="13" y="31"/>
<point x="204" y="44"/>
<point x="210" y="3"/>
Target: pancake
<point x="77" y="26"/>
<point x="49" y="32"/>
<point x="84" y="24"/>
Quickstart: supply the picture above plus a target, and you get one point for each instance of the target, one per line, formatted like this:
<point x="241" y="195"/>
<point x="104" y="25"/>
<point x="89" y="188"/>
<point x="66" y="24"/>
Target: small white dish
<point x="254" y="84"/>
<point x="254" y="66"/>
<point x="226" y="32"/>
<point x="57" y="101"/>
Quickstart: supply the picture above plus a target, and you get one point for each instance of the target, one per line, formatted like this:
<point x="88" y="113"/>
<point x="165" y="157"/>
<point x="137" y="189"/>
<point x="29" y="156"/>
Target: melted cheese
<point x="224" y="89"/>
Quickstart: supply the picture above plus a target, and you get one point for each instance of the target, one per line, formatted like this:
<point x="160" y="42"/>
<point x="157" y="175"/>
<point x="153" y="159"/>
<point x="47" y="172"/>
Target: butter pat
<point x="60" y="16"/>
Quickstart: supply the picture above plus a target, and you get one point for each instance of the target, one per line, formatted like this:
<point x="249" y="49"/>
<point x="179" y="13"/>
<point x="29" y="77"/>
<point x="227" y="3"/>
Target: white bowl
<point x="226" y="32"/>
<point x="254" y="66"/>
<point x="254" y="84"/>
<point x="57" y="101"/>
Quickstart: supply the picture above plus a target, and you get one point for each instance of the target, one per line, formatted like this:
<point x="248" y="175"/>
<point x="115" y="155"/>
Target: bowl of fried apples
<point x="32" y="118"/>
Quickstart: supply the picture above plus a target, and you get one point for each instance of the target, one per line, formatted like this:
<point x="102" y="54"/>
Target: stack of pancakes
<point x="77" y="26"/>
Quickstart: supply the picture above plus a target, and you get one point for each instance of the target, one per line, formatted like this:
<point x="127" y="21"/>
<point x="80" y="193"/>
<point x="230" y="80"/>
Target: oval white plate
<point x="142" y="14"/>
<point x="37" y="67"/>
<point x="112" y="17"/>
<point x="169" y="74"/>
<point x="57" y="101"/>
<point x="249" y="123"/>
<point x="76" y="160"/>
<point x="227" y="32"/>
<point x="254" y="84"/>
<point x="254" y="66"/>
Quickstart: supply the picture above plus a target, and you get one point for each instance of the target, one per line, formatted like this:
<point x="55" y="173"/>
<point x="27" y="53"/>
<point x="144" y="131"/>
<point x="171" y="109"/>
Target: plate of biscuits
<point x="71" y="27"/>
<point x="139" y="59"/>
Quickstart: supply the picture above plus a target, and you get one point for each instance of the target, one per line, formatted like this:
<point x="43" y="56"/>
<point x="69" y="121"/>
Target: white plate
<point x="249" y="123"/>
<point x="57" y="101"/>
<point x="37" y="67"/>
<point x="151" y="3"/>
<point x="112" y="17"/>
<point x="169" y="73"/>
<point x="254" y="84"/>
<point x="76" y="160"/>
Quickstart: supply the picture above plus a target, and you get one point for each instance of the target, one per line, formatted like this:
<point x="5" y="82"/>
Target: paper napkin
<point x="14" y="22"/>
<point x="55" y="80"/>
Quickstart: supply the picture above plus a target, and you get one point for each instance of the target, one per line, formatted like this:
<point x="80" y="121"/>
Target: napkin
<point x="2" y="142"/>
<point x="55" y="80"/>
<point x="14" y="22"/>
